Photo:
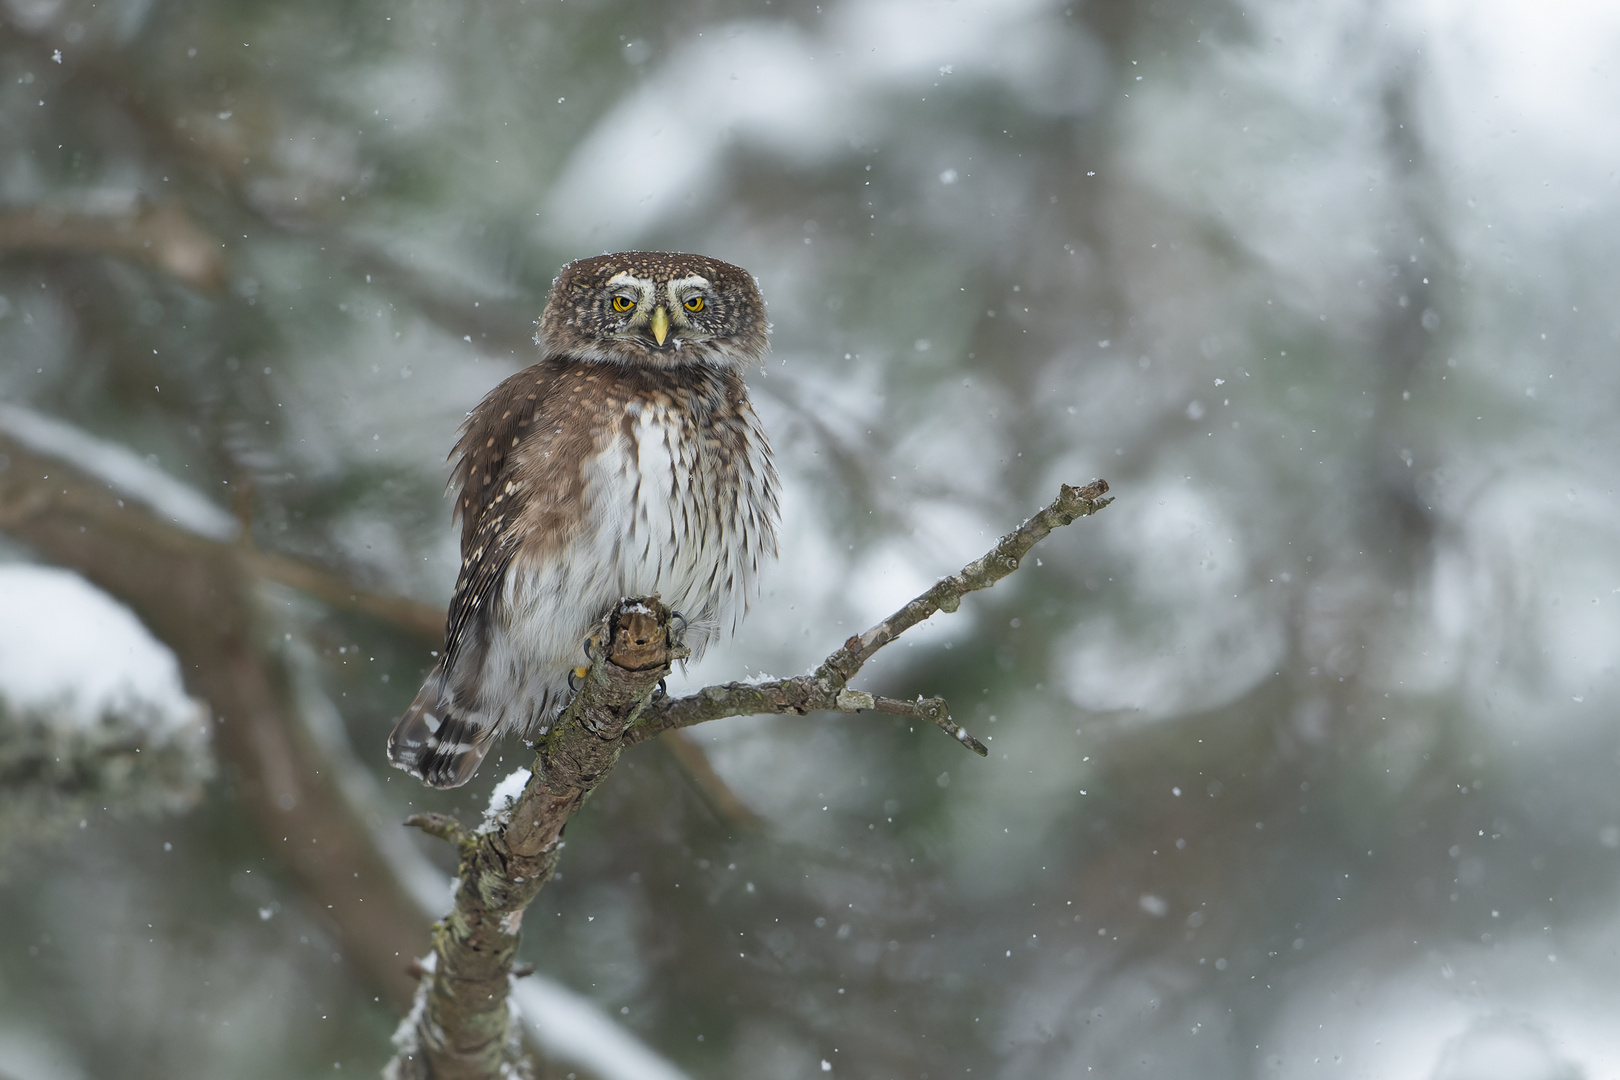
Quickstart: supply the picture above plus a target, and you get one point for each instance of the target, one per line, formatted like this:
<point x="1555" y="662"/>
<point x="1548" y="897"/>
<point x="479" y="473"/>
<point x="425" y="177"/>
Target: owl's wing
<point x="487" y="440"/>
<point x="478" y="588"/>
<point x="438" y="739"/>
<point x="442" y="737"/>
<point x="490" y="521"/>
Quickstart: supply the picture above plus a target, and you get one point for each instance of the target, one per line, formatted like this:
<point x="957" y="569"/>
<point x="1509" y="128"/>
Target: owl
<point x="627" y="462"/>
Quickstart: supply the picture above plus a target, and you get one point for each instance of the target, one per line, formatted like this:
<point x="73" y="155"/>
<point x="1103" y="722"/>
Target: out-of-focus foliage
<point x="93" y="717"/>
<point x="1302" y="752"/>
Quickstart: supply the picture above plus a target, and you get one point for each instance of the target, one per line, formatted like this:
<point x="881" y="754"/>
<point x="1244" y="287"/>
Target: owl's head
<point x="655" y="308"/>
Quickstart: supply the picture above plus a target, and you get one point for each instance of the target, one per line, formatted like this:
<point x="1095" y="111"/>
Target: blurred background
<point x="1303" y="752"/>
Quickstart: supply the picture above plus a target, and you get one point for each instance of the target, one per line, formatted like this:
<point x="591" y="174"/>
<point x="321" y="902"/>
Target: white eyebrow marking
<point x="625" y="277"/>
<point x="678" y="285"/>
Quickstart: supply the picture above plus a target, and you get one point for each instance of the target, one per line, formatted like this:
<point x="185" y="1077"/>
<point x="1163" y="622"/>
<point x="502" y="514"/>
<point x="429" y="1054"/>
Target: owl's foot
<point x="677" y="629"/>
<point x="591" y="646"/>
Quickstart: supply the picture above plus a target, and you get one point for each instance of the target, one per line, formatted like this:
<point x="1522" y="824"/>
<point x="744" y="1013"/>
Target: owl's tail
<point x="434" y="745"/>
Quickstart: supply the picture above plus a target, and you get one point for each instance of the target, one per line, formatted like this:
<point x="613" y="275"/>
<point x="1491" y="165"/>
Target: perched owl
<point x="627" y="462"/>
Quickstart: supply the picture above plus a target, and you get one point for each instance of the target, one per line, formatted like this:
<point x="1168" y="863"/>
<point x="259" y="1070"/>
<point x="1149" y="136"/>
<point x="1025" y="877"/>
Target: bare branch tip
<point x="1090" y="493"/>
<point x="934" y="710"/>
<point x="971" y="743"/>
<point x="940" y="713"/>
<point x="443" y="826"/>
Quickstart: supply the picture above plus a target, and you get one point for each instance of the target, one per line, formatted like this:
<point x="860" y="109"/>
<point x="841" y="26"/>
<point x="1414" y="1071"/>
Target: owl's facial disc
<point x="671" y="316"/>
<point x="661" y="309"/>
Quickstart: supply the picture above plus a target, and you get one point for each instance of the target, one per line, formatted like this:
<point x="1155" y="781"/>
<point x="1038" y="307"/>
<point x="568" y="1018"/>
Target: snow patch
<point x="70" y="651"/>
<point x="503" y="798"/>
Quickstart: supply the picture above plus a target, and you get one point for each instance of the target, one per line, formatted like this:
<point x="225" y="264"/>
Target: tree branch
<point x="165" y="237"/>
<point x="725" y="803"/>
<point x="826" y="688"/>
<point x="457" y="1028"/>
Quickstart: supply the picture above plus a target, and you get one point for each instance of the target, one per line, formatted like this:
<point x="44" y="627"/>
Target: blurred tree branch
<point x="164" y="237"/>
<point x="421" y="619"/>
<point x="458" y="1028"/>
<point x="197" y="596"/>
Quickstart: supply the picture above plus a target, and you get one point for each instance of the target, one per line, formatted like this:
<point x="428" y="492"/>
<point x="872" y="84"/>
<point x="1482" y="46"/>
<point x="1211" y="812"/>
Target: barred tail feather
<point x="437" y="747"/>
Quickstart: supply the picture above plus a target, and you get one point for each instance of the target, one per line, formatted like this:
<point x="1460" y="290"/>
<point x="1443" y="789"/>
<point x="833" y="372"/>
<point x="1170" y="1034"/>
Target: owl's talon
<point x="576" y="677"/>
<point x="677" y="627"/>
<point x="661" y="690"/>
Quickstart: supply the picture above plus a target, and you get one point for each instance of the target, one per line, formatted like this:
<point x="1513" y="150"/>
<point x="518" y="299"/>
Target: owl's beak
<point x="660" y="323"/>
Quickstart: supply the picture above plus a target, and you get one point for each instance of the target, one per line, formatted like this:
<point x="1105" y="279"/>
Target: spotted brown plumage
<point x="627" y="462"/>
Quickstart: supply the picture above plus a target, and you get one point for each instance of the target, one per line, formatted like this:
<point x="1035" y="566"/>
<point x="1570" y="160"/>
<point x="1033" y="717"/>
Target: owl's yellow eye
<point x="623" y="303"/>
<point x="695" y="304"/>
